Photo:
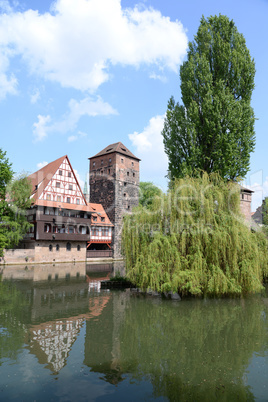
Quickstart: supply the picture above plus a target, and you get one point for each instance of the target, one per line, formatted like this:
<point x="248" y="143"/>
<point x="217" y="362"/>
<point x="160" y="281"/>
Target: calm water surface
<point x="63" y="339"/>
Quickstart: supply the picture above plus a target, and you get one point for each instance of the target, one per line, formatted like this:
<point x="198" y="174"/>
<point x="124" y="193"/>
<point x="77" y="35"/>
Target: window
<point x="78" y="247"/>
<point x="60" y="172"/>
<point x="125" y="184"/>
<point x="47" y="228"/>
<point x="127" y="173"/>
<point x="132" y="163"/>
<point x="82" y="230"/>
<point x="68" y="200"/>
<point x="57" y="184"/>
<point x="50" y="247"/>
<point x="102" y="161"/>
<point x="69" y="174"/>
<point x="68" y="246"/>
<point x="58" y="198"/>
<point x="70" y="186"/>
<point x="94" y="218"/>
<point x="71" y="229"/>
<point x="133" y="174"/>
<point x="93" y="164"/>
<point x="101" y="172"/>
<point x="125" y="195"/>
<point x="57" y="247"/>
<point x="77" y="201"/>
<point x="110" y="160"/>
<point x="102" y="219"/>
<point x="109" y="171"/>
<point x="122" y="160"/>
<point x="48" y="197"/>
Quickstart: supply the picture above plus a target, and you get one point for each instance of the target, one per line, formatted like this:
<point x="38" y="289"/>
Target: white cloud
<point x="85" y="107"/>
<point x="76" y="137"/>
<point x="40" y="128"/>
<point x="150" y="149"/>
<point x="35" y="96"/>
<point x="40" y="165"/>
<point x="76" y="43"/>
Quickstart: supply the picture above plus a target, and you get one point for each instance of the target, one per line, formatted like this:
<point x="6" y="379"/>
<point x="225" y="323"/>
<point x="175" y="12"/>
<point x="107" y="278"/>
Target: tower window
<point x="122" y="160"/>
<point x="133" y="174"/>
<point x="127" y="173"/>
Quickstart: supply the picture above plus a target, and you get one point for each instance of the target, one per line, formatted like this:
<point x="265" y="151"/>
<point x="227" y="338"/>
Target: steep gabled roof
<point x="41" y="178"/>
<point x="118" y="147"/>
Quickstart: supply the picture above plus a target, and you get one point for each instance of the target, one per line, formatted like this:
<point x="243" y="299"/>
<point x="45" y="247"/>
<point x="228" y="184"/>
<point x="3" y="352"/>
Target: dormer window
<point x="94" y="218"/>
<point x="102" y="219"/>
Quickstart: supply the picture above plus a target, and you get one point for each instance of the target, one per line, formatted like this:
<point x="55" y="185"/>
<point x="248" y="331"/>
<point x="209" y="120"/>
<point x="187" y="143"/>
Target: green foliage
<point x="194" y="240"/>
<point x="147" y="193"/>
<point x="213" y="129"/>
<point x="265" y="211"/>
<point x="14" y="200"/>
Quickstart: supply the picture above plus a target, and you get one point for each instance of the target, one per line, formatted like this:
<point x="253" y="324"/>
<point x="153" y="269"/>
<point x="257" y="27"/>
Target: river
<point x="62" y="338"/>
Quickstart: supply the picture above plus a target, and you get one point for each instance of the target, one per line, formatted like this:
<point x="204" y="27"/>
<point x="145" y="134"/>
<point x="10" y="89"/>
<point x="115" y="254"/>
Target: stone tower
<point x="114" y="183"/>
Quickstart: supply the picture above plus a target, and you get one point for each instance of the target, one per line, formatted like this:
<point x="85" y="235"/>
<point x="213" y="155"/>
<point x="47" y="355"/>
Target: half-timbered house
<point x="65" y="225"/>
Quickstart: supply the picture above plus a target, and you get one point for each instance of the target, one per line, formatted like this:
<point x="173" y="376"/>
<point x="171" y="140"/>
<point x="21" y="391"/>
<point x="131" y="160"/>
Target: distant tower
<point x="114" y="183"/>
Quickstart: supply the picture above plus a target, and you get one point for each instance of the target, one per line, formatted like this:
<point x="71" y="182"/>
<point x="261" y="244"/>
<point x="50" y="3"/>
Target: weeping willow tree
<point x="194" y="240"/>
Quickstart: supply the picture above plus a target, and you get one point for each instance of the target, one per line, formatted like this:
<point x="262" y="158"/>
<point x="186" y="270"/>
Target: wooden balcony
<point x="99" y="253"/>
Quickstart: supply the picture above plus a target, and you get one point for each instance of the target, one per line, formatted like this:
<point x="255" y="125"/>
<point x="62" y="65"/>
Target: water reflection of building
<point x="52" y="341"/>
<point x="102" y="341"/>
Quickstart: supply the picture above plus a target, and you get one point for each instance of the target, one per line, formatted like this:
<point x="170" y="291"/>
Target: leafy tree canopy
<point x="148" y="192"/>
<point x="14" y="200"/>
<point x="195" y="241"/>
<point x="213" y="129"/>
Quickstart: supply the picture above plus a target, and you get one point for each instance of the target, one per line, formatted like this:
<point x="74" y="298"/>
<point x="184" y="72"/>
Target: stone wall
<point x="245" y="205"/>
<point x="114" y="183"/>
<point x="18" y="256"/>
<point x="44" y="253"/>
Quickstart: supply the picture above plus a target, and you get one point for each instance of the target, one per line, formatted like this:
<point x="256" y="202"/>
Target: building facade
<point x="64" y="225"/>
<point x="114" y="178"/>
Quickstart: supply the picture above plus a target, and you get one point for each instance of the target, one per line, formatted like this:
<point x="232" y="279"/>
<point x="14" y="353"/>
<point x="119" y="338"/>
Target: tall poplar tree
<point x="213" y="129"/>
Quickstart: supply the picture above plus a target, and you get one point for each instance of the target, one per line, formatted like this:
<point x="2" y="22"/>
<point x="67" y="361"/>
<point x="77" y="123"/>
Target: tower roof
<point x="118" y="147"/>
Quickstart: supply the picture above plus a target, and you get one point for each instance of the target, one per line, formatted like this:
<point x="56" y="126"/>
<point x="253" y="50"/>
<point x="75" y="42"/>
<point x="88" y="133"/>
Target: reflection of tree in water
<point x="193" y="350"/>
<point x="13" y="309"/>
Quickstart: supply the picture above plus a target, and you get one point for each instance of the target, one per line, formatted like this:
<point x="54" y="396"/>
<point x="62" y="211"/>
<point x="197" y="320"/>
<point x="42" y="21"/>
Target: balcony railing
<point x="99" y="253"/>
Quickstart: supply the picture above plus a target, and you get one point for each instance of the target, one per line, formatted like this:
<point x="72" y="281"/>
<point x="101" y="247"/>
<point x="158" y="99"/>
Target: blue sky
<point x="77" y="75"/>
